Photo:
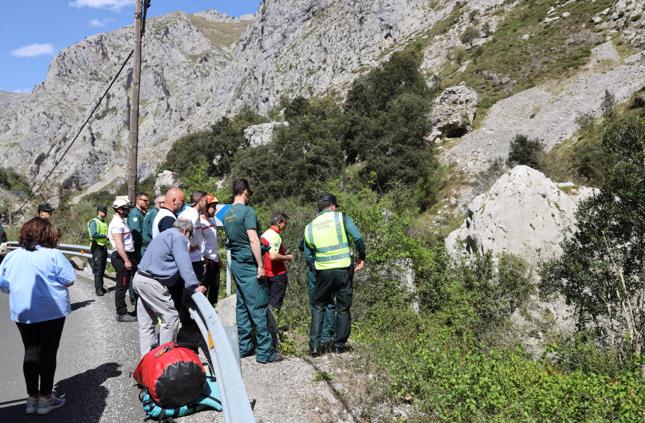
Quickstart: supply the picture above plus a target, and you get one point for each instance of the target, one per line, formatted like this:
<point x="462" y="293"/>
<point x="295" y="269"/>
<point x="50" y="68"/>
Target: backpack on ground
<point x="209" y="399"/>
<point x="172" y="375"/>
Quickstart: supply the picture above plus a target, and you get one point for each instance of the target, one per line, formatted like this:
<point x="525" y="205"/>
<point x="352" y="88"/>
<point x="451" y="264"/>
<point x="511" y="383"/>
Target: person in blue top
<point x="36" y="276"/>
<point x="247" y="267"/>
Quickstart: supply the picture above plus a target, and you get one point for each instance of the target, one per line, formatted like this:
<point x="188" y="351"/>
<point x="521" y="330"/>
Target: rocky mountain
<point x="200" y="67"/>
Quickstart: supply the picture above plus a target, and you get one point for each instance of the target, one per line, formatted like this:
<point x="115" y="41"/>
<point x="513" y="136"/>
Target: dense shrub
<point x="601" y="271"/>
<point x="525" y="151"/>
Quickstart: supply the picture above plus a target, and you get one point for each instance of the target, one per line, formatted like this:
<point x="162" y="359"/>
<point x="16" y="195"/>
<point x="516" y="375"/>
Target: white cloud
<point x="115" y="5"/>
<point x="33" y="50"/>
<point x="100" y="23"/>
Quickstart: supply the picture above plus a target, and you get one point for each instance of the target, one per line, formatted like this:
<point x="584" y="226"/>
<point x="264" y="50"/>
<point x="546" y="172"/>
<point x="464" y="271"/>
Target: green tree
<point x="602" y="270"/>
<point x="302" y="157"/>
<point x="469" y="35"/>
<point x="217" y="147"/>
<point x="525" y="151"/>
<point x="386" y="122"/>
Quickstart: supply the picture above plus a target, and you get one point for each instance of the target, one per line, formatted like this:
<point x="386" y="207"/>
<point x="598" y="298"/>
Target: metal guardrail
<point x="221" y="355"/>
<point x="235" y="400"/>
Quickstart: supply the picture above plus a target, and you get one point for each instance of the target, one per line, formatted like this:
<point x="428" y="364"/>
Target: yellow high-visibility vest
<point x="326" y="236"/>
<point x="101" y="228"/>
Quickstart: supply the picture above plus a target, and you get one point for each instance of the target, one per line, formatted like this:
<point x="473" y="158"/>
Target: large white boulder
<point x="524" y="213"/>
<point x="165" y="180"/>
<point x="262" y="134"/>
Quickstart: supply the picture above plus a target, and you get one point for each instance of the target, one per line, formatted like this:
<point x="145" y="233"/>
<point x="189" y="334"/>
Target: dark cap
<point x="45" y="207"/>
<point x="327" y="200"/>
<point x="101" y="208"/>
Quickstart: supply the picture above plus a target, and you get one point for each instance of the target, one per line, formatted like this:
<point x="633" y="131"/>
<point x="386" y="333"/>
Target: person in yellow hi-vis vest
<point x="98" y="229"/>
<point x="327" y="239"/>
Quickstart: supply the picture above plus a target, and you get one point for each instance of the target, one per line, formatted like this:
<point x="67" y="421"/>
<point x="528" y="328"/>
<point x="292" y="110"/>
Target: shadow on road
<point x="81" y="304"/>
<point x="85" y="399"/>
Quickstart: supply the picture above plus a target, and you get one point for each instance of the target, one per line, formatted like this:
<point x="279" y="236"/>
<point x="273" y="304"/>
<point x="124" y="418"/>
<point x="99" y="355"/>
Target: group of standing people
<point x="163" y="255"/>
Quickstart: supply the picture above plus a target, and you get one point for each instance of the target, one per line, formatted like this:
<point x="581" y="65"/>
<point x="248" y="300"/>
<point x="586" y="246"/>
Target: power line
<point x="146" y="5"/>
<point x="96" y="106"/>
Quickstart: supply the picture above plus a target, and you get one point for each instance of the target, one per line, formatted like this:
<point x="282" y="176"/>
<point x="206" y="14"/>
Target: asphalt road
<point x="95" y="360"/>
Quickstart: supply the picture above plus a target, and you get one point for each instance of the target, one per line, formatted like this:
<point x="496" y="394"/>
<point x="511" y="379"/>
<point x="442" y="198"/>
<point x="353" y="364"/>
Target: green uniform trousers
<point x="330" y="284"/>
<point x="329" y="321"/>
<point x="251" y="312"/>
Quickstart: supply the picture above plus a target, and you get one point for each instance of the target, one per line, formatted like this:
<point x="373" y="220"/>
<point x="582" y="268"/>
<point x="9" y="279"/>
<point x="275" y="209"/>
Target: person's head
<point x="142" y="201"/>
<point x="159" y="201"/>
<point x="45" y="211"/>
<point x="327" y="201"/>
<point x="279" y="219"/>
<point x="38" y="231"/>
<point x="121" y="207"/>
<point x="101" y="211"/>
<point x="196" y="197"/>
<point x="241" y="190"/>
<point x="185" y="227"/>
<point x="211" y="205"/>
<point x="174" y="200"/>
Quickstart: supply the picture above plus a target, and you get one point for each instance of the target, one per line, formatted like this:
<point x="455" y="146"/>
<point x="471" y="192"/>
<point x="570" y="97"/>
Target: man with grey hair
<point x="165" y="261"/>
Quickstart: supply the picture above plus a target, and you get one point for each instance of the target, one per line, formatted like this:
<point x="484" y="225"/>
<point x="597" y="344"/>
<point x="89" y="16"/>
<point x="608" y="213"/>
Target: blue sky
<point x="32" y="32"/>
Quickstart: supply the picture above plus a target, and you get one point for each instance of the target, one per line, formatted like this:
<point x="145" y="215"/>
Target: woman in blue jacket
<point x="36" y="277"/>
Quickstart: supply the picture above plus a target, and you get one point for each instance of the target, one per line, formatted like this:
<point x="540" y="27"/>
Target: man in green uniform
<point x="327" y="239"/>
<point x="241" y="227"/>
<point x="329" y="322"/>
<point x="98" y="229"/>
<point x="146" y="229"/>
<point x="135" y="222"/>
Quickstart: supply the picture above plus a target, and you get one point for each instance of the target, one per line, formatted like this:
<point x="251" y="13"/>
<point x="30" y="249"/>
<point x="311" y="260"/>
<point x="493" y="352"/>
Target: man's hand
<point x="261" y="273"/>
<point x="288" y="257"/>
<point x="358" y="264"/>
<point x="201" y="288"/>
<point x="128" y="265"/>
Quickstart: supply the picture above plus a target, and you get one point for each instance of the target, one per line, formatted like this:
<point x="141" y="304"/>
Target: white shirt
<point x="192" y="215"/>
<point x="209" y="234"/>
<point x="163" y="212"/>
<point x="118" y="226"/>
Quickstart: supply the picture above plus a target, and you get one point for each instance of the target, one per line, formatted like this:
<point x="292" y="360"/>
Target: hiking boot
<point x="276" y="357"/>
<point x="338" y="350"/>
<point x="46" y="405"/>
<point x="314" y="352"/>
<point x="247" y="354"/>
<point x="125" y="318"/>
<point x="100" y="293"/>
<point x="32" y="405"/>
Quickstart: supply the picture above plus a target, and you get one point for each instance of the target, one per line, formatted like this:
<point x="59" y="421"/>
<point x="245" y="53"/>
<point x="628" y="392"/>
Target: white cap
<point x="120" y="202"/>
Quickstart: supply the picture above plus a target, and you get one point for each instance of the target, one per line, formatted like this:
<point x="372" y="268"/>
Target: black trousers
<point x="211" y="280"/>
<point x="277" y="289"/>
<point x="123" y="280"/>
<point x="99" y="260"/>
<point x="188" y="334"/>
<point x="332" y="284"/>
<point x="41" y="342"/>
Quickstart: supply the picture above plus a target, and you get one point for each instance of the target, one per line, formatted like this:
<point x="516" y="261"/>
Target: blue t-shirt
<point x="37" y="282"/>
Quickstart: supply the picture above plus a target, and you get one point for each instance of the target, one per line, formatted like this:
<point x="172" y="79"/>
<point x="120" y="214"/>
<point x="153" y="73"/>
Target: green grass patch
<point x="509" y="63"/>
<point x="322" y="376"/>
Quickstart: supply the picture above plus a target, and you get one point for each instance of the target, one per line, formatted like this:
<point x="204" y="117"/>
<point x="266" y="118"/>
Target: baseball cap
<point x="210" y="199"/>
<point x="121" y="203"/>
<point x="101" y="208"/>
<point x="327" y="200"/>
<point x="45" y="207"/>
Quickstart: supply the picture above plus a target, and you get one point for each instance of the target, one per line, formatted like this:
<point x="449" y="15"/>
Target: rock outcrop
<point x="524" y="213"/>
<point x="165" y="180"/>
<point x="262" y="134"/>
<point x="547" y="112"/>
<point x="453" y="112"/>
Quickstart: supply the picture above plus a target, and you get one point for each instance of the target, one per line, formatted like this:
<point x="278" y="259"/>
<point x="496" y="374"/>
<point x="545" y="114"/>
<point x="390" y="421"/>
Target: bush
<point x="469" y="35"/>
<point x="525" y="151"/>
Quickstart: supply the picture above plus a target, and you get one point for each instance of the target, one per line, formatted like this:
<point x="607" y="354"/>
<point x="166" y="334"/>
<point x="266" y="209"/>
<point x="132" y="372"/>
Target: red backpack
<point x="173" y="375"/>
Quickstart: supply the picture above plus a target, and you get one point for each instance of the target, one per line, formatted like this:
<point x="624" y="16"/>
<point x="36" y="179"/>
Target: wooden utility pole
<point x="134" y="105"/>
